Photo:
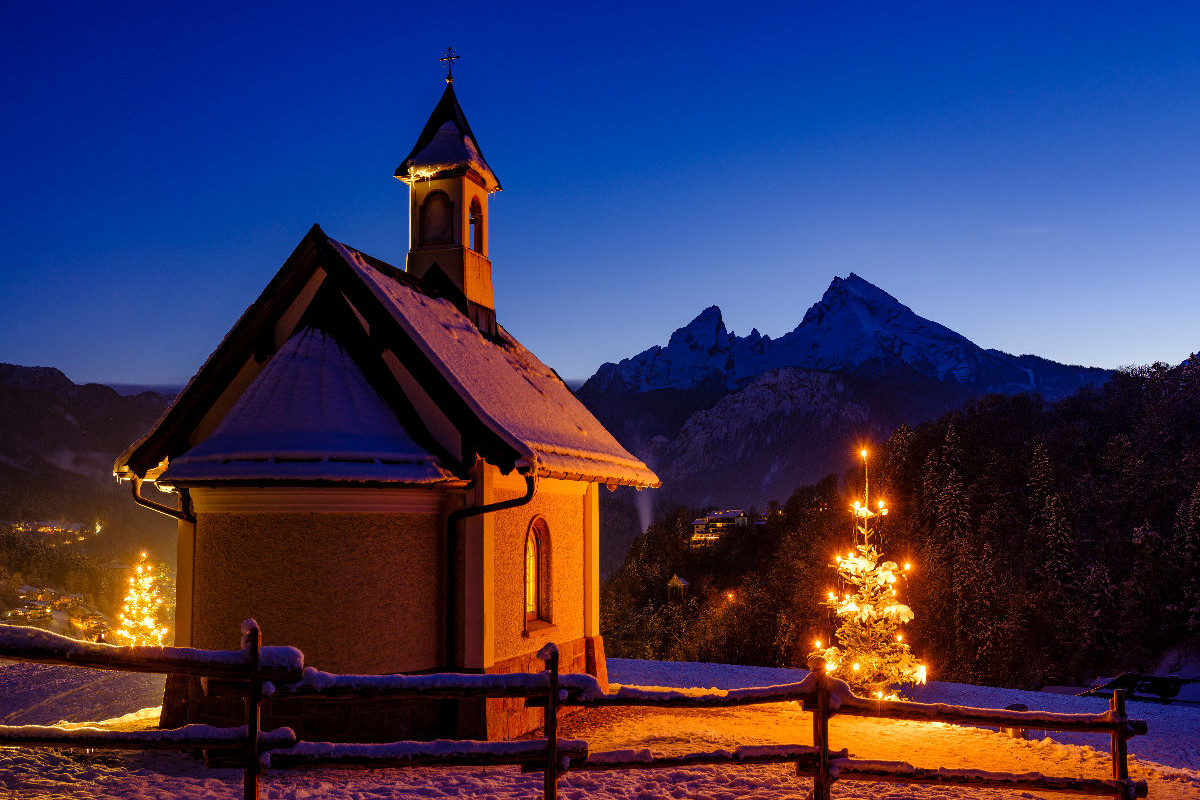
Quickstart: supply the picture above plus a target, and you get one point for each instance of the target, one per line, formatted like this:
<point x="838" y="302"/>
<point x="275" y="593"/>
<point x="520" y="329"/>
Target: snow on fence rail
<point x="443" y="685"/>
<point x="254" y="671"/>
<point x="441" y="752"/>
<point x="805" y="758"/>
<point x="189" y="737"/>
<point x="33" y="644"/>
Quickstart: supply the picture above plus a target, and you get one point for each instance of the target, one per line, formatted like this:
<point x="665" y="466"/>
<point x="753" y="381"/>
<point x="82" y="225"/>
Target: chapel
<point x="373" y="468"/>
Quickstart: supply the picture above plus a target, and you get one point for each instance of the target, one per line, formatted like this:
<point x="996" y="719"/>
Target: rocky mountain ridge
<point x="855" y="327"/>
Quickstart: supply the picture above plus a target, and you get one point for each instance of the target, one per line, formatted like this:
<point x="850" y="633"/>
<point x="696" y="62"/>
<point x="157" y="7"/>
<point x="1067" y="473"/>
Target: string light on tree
<point x="871" y="654"/>
<point x="139" y="615"/>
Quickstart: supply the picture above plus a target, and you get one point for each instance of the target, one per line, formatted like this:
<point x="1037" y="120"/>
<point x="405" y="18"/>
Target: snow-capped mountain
<point x="855" y="328"/>
<point x="736" y="421"/>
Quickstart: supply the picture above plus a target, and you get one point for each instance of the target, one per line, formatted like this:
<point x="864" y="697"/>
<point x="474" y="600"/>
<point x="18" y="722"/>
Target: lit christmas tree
<point x="873" y="657"/>
<point x="139" y="616"/>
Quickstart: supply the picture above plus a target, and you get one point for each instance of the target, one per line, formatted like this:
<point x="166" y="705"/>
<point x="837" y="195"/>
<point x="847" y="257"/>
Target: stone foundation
<point x="188" y="700"/>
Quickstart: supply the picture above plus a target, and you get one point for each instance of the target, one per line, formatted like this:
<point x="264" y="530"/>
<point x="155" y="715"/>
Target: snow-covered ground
<point x="1168" y="758"/>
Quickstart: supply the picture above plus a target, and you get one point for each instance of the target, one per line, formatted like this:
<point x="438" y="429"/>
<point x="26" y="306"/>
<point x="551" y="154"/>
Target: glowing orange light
<point x="729" y="595"/>
<point x="817" y="644"/>
<point x="863" y="452"/>
<point x="907" y="566"/>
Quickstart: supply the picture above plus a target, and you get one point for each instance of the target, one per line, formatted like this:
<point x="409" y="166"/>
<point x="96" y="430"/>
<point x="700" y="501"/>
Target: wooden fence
<point x="280" y="669"/>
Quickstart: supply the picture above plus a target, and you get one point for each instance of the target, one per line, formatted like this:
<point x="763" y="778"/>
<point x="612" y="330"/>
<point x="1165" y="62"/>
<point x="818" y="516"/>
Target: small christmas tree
<point x="139" y="616"/>
<point x="872" y="656"/>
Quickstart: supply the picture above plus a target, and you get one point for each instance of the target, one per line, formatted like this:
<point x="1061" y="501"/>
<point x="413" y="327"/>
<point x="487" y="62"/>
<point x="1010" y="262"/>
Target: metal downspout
<point x="452" y="557"/>
<point x="183" y="514"/>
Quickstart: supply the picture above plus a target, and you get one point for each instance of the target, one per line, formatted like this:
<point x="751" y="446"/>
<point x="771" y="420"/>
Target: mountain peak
<point x="704" y="332"/>
<point x="862" y="287"/>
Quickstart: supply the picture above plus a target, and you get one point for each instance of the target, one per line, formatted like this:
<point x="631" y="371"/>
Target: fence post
<point x="1120" y="761"/>
<point x="252" y="641"/>
<point x="821" y="729"/>
<point x="549" y="653"/>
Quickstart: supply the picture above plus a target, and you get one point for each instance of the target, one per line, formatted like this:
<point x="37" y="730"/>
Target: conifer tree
<point x="985" y="641"/>
<point x="143" y="603"/>
<point x="1041" y="478"/>
<point x="1189" y="550"/>
<point x="1099" y="640"/>
<point x="871" y="654"/>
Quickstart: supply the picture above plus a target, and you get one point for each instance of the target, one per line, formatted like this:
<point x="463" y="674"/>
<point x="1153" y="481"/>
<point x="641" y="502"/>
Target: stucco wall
<point x="562" y="508"/>
<point x="355" y="592"/>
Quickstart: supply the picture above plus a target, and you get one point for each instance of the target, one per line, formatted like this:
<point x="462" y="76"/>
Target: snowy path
<point x="41" y="694"/>
<point x="1163" y="759"/>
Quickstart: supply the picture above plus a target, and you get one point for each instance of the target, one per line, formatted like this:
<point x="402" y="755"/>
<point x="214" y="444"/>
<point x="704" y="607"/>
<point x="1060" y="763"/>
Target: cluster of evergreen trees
<point x="1050" y="543"/>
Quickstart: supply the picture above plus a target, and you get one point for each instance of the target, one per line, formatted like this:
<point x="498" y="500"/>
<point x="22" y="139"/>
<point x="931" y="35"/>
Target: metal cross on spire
<point x="449" y="56"/>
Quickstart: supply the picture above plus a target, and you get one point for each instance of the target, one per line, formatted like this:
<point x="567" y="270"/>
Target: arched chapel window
<point x="476" y="237"/>
<point x="537" y="551"/>
<point x="436" y="214"/>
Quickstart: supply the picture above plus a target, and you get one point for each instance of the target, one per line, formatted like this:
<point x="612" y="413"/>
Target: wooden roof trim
<point x="386" y="332"/>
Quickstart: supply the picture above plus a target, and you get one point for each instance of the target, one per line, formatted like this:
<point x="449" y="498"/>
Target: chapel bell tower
<point x="449" y="186"/>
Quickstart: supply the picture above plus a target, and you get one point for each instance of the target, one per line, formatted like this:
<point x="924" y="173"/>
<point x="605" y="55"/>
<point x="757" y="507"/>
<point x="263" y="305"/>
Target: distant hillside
<point x="58" y="441"/>
<point x="1050" y="542"/>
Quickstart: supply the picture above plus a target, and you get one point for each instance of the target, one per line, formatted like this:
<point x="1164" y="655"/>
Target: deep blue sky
<point x="1026" y="175"/>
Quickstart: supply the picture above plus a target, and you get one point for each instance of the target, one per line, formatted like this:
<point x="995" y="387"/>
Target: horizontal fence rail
<point x="900" y="772"/>
<point x="989" y="717"/>
<point x="803" y="756"/>
<point x="189" y="737"/>
<point x="255" y="672"/>
<point x="439" y="752"/>
<point x="42" y="647"/>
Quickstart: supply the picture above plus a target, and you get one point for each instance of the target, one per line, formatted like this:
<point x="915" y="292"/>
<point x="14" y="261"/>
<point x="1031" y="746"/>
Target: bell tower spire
<point x="449" y="187"/>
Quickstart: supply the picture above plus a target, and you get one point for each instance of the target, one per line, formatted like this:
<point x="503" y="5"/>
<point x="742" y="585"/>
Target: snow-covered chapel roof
<point x="309" y="415"/>
<point x="391" y="378"/>
<point x="446" y="146"/>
